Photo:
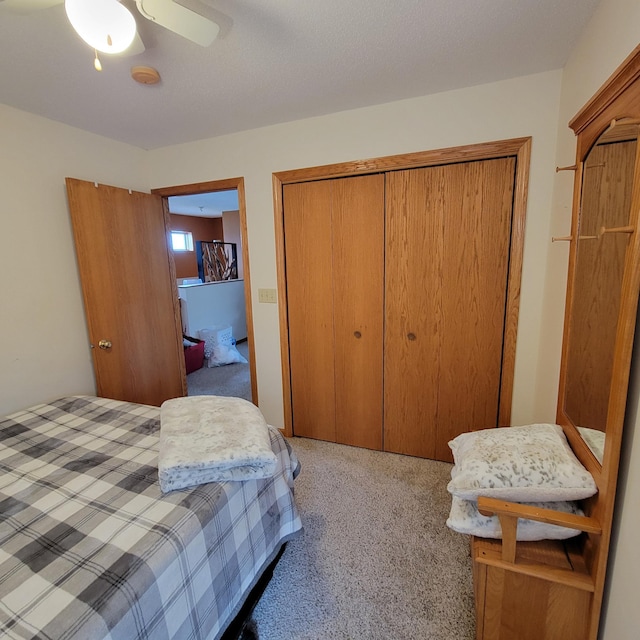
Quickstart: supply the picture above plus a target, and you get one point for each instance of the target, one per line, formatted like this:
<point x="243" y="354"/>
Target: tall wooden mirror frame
<point x="617" y="99"/>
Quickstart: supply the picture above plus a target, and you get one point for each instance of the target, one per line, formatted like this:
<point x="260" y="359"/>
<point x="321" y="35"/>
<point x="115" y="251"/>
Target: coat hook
<point x="604" y="230"/>
<point x="617" y="121"/>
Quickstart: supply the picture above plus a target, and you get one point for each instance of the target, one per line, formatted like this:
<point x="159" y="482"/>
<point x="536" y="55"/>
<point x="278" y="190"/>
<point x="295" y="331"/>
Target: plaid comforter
<point x="89" y="547"/>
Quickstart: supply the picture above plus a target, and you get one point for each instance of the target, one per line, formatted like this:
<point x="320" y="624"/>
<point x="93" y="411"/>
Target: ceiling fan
<point x="108" y="26"/>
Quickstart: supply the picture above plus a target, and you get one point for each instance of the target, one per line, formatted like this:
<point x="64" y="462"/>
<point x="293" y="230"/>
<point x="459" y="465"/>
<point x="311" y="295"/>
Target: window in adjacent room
<point x="181" y="241"/>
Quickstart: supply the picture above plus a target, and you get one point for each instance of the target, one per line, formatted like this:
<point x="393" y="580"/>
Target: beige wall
<point x="44" y="349"/>
<point x="54" y="357"/>
<point x="608" y="39"/>
<point x="525" y="106"/>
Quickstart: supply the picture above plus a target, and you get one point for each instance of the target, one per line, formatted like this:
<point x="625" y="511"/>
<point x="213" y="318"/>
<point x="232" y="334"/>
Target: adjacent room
<point x="318" y="319"/>
<point x="207" y="251"/>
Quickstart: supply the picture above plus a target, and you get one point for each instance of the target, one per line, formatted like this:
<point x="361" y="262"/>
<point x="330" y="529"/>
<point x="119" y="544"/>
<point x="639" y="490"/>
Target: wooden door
<point x="334" y="245"/>
<point x="309" y="264"/>
<point x="448" y="238"/>
<point x="358" y="297"/>
<point x="413" y="309"/>
<point x="129" y="292"/>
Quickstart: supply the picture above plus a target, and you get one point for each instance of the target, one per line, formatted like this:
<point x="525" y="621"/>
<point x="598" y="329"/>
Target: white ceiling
<point x="278" y="60"/>
<point x="206" y="205"/>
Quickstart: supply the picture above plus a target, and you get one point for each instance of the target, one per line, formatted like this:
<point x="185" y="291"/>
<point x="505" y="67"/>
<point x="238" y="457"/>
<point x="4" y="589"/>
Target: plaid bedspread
<point x="90" y="548"/>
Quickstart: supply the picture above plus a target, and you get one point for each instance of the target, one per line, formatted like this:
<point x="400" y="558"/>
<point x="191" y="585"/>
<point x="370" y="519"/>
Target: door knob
<point x="411" y="336"/>
<point x="105" y="344"/>
<point x="357" y="334"/>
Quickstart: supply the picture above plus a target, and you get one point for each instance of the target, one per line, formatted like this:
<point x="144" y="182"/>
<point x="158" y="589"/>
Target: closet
<point x="398" y="290"/>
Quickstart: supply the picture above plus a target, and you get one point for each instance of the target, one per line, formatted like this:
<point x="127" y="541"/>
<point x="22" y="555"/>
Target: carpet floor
<point x="376" y="560"/>
<point x="229" y="380"/>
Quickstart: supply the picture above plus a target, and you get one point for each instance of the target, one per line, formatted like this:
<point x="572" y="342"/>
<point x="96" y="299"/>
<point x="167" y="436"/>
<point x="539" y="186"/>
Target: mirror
<point x="603" y="236"/>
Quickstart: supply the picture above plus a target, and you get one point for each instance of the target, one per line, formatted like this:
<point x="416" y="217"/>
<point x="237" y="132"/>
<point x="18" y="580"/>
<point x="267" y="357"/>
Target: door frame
<point x="520" y="148"/>
<point x="226" y="185"/>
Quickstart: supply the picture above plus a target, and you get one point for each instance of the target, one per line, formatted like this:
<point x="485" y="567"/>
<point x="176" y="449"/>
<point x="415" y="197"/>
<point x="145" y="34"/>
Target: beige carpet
<point x="228" y="380"/>
<point x="376" y="560"/>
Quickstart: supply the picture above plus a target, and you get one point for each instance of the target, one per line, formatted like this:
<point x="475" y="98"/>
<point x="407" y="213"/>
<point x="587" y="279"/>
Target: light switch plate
<point x="268" y="295"/>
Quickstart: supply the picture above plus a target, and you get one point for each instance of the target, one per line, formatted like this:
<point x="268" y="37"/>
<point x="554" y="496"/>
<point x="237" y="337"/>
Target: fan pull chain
<point x="96" y="62"/>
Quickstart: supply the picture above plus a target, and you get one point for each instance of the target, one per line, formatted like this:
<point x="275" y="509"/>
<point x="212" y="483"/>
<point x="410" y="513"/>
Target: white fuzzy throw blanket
<point x="212" y="439"/>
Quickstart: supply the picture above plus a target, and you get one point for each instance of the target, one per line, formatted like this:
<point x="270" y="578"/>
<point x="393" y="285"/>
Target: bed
<point x="90" y="548"/>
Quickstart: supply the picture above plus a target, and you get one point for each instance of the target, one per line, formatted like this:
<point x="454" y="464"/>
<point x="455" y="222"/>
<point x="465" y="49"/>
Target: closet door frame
<point x="520" y="148"/>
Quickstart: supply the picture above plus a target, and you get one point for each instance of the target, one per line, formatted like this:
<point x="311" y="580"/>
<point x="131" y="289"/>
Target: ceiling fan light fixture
<point x="105" y="25"/>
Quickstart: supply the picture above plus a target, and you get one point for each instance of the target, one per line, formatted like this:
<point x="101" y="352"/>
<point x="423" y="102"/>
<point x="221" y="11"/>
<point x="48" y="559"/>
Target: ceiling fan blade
<point x="27" y="6"/>
<point x="180" y="20"/>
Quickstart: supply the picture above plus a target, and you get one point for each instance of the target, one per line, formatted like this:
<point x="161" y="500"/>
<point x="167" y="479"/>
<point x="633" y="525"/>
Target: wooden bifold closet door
<point x="396" y="297"/>
<point x="334" y="243"/>
<point x="448" y="231"/>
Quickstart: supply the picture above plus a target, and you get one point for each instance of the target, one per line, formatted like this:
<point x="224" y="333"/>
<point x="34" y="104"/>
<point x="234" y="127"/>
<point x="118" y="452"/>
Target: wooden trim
<point x="616" y="99"/>
<point x="621" y="79"/>
<point x="580" y="449"/>
<point x="479" y="590"/>
<point x="523" y="158"/>
<point x="199" y="187"/>
<point x="226" y="185"/>
<point x="550" y="574"/>
<point x="451" y="155"/>
<point x="518" y="147"/>
<point x="176" y="301"/>
<point x="618" y="397"/>
<point x="278" y="208"/>
<point x="244" y="234"/>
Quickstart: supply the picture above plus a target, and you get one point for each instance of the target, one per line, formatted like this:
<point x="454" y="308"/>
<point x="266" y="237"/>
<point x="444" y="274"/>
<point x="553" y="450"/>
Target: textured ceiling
<point x="278" y="60"/>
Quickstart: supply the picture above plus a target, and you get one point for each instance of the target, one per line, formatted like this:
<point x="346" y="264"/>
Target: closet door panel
<point x="358" y="296"/>
<point x="448" y="238"/>
<point x="309" y="274"/>
<point x="477" y="231"/>
<point x="413" y="309"/>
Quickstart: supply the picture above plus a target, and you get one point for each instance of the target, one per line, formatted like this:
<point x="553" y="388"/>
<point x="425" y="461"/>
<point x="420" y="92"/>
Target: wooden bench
<point x="531" y="590"/>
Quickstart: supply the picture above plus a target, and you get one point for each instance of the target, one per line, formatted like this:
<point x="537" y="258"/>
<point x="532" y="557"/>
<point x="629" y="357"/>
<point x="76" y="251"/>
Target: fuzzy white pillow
<point x="465" y="518"/>
<point x="533" y="463"/>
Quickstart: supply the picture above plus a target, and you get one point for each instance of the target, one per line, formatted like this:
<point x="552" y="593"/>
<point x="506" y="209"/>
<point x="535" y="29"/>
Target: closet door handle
<point x="411" y="336"/>
<point x="357" y="334"/>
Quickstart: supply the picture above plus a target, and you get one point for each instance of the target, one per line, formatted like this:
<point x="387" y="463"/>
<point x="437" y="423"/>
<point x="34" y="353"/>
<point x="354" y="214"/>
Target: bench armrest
<point x="509" y="512"/>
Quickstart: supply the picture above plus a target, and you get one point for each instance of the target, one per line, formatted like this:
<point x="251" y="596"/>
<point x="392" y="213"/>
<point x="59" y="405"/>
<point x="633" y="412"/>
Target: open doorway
<point x="209" y="247"/>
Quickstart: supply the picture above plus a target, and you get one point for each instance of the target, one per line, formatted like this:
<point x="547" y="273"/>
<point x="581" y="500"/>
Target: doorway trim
<point x="226" y="185"/>
<point x="520" y="148"/>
